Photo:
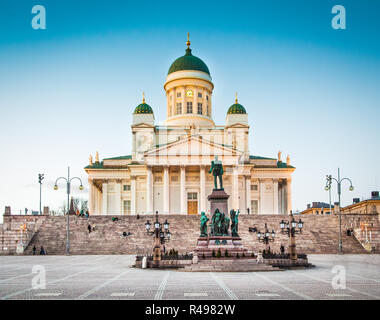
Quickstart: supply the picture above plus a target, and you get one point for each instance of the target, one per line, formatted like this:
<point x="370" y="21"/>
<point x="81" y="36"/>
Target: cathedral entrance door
<point x="192" y="203"/>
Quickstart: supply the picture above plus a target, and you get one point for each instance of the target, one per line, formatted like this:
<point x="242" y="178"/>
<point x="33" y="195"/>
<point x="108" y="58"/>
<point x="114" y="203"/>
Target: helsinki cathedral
<point x="168" y="168"/>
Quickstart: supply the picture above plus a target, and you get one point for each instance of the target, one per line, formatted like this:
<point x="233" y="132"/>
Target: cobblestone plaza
<point x="111" y="277"/>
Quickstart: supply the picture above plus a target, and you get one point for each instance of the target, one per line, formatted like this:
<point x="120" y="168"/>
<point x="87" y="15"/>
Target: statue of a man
<point x="234" y="222"/>
<point x="203" y="228"/>
<point x="217" y="171"/>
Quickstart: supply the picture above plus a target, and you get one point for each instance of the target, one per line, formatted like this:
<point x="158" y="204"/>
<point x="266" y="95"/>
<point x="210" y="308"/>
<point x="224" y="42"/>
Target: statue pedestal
<point x="233" y="245"/>
<point x="218" y="200"/>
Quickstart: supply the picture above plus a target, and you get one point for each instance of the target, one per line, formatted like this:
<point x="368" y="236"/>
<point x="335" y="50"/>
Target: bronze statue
<point x="217" y="171"/>
<point x="203" y="228"/>
<point x="219" y="224"/>
<point x="234" y="222"/>
<point x="226" y="226"/>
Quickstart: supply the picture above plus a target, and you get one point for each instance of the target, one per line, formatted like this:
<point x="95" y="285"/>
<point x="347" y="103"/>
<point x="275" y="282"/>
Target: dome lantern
<point x="236" y="108"/>
<point x="188" y="62"/>
<point x="143" y="107"/>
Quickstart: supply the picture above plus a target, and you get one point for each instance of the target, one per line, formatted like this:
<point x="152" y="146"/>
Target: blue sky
<point x="68" y="91"/>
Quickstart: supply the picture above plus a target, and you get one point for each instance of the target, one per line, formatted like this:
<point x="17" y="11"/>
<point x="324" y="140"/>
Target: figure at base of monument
<point x="203" y="227"/>
<point x="234" y="222"/>
<point x="217" y="171"/>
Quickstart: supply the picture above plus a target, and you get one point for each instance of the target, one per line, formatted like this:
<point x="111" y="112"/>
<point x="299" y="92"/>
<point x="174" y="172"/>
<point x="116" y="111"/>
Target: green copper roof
<point x="143" y="108"/>
<point x="236" y="108"/>
<point x="119" y="158"/>
<point x="260" y="158"/>
<point x="188" y="62"/>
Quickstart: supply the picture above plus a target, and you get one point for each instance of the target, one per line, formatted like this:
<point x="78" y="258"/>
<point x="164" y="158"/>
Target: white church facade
<point x="167" y="170"/>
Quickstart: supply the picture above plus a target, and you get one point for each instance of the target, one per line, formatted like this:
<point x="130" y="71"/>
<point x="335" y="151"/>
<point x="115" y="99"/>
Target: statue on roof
<point x="97" y="157"/>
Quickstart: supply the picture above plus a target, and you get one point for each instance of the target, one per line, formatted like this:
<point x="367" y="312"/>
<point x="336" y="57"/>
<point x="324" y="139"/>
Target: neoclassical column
<point x="149" y="191"/>
<point x="91" y="196"/>
<point x="275" y="196"/>
<point x="202" y="175"/>
<point x="133" y="195"/>
<point x="118" y="197"/>
<point x="235" y="188"/>
<point x="97" y="201"/>
<point x="104" y="198"/>
<point x="261" y="193"/>
<point x="183" y="101"/>
<point x="195" y="99"/>
<point x="166" y="190"/>
<point x="183" y="190"/>
<point x="248" y="193"/>
<point x="288" y="195"/>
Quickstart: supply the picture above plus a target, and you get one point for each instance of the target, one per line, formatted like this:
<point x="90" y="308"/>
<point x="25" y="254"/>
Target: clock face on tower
<point x="189" y="93"/>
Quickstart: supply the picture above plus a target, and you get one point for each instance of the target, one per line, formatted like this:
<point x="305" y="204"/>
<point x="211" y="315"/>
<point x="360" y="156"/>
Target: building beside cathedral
<point x="167" y="170"/>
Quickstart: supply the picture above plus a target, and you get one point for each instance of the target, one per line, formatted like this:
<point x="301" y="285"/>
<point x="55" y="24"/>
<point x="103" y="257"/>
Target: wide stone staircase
<point x="320" y="234"/>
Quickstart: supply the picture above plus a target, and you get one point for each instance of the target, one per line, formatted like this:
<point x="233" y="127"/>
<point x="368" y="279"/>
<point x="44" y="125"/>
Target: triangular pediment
<point x="193" y="146"/>
<point x="143" y="125"/>
<point x="237" y="125"/>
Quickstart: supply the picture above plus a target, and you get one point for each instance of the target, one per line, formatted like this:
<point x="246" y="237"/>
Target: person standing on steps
<point x="89" y="228"/>
<point x="42" y="251"/>
<point x="34" y="250"/>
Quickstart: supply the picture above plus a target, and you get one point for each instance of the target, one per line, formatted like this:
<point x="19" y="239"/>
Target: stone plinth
<point x="233" y="245"/>
<point x="218" y="200"/>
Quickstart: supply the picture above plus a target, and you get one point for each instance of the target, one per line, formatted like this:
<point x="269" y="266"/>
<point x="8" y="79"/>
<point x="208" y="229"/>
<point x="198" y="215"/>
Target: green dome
<point x="236" y="108"/>
<point x="143" y="108"/>
<point x="188" y="62"/>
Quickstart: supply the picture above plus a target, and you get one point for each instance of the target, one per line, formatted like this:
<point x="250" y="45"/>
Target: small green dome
<point x="188" y="62"/>
<point x="236" y="108"/>
<point x="143" y="108"/>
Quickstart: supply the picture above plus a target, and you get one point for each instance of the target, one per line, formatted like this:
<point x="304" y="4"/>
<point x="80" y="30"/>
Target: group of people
<point x="282" y="250"/>
<point x="82" y="213"/>
<point x="42" y="251"/>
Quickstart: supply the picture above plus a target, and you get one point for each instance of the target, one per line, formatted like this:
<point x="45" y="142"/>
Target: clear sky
<point x="69" y="91"/>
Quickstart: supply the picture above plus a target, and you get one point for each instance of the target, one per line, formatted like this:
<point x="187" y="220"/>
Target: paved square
<point x="111" y="277"/>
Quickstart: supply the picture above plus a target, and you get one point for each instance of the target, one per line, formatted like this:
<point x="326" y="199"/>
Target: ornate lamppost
<point x="160" y="237"/>
<point x="68" y="188"/>
<point x="290" y="228"/>
<point x="264" y="237"/>
<point x="329" y="179"/>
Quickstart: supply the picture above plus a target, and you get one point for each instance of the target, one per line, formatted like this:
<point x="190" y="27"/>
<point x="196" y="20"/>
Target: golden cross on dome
<point x="236" y="99"/>
<point x="143" y="97"/>
<point x="188" y="40"/>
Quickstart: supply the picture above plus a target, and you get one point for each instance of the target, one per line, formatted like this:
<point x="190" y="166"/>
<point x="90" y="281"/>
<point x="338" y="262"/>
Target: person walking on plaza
<point x="89" y="228"/>
<point x="42" y="251"/>
<point x="34" y="250"/>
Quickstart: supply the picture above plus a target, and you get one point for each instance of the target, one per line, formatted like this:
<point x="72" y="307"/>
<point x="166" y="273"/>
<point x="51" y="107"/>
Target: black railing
<point x="177" y="257"/>
<point x="168" y="257"/>
<point x="282" y="256"/>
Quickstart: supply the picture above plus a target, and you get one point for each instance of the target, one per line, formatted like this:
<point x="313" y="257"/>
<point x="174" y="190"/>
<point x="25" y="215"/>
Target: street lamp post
<point x="160" y="237"/>
<point x="68" y="187"/>
<point x="290" y="228"/>
<point x="40" y="178"/>
<point x="329" y="179"/>
<point x="264" y="237"/>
